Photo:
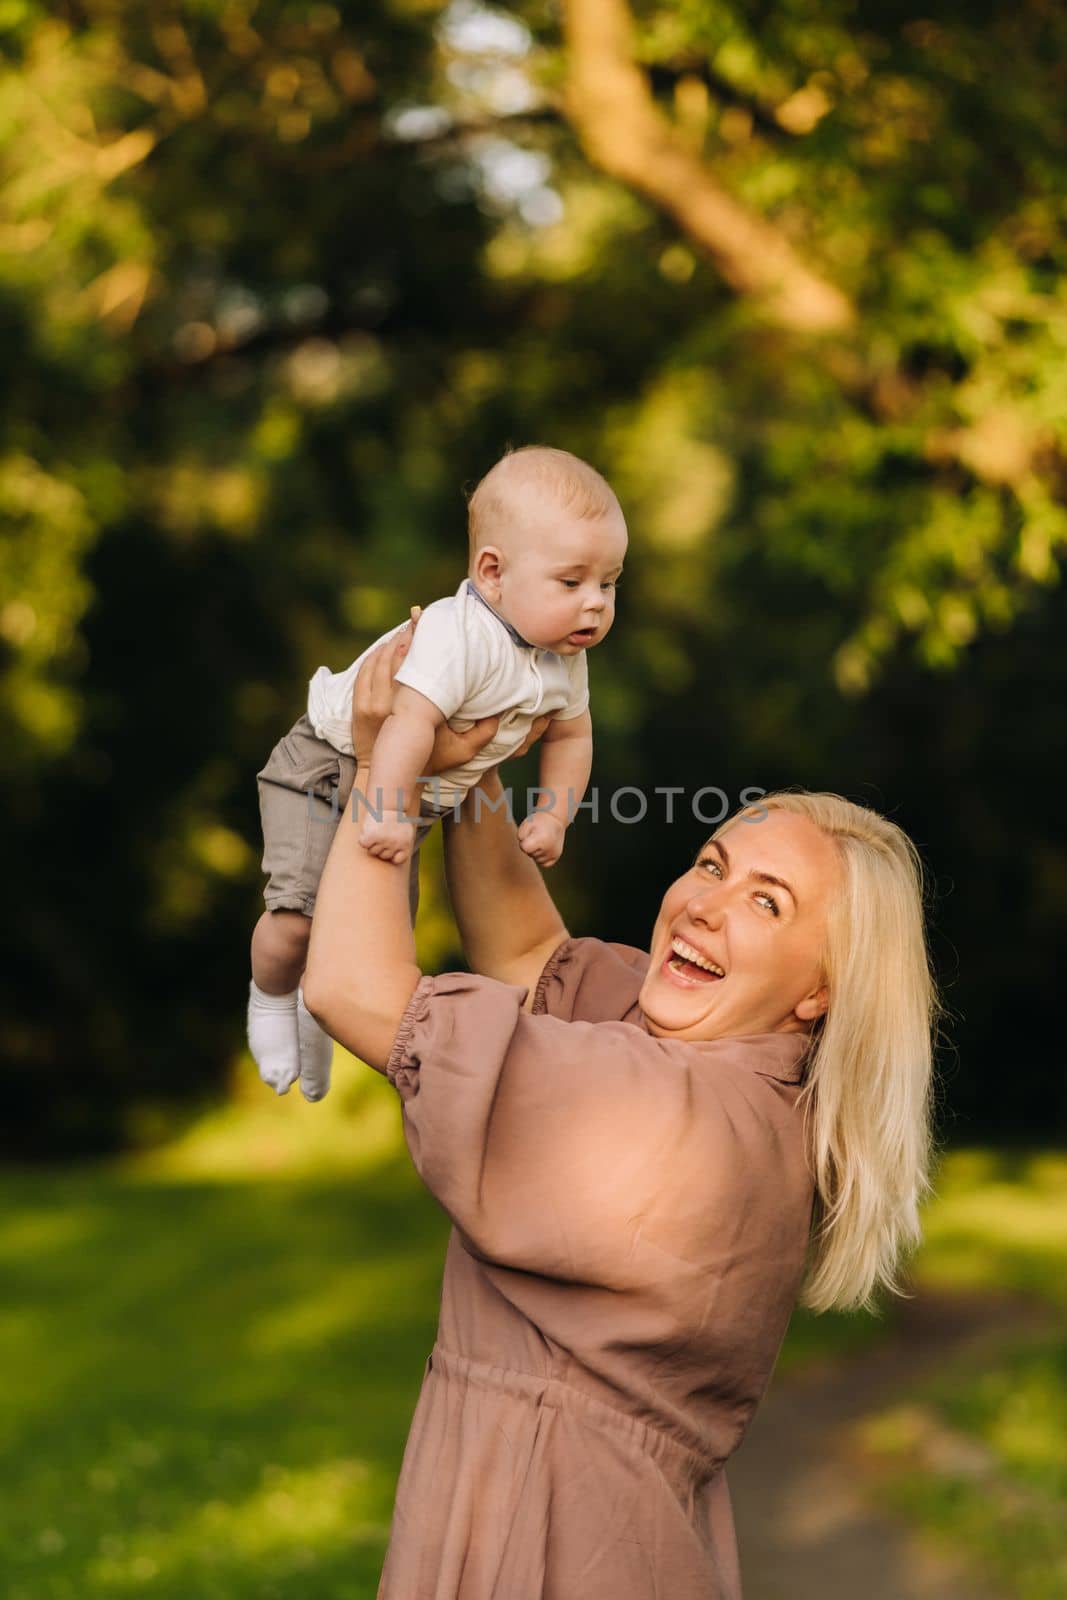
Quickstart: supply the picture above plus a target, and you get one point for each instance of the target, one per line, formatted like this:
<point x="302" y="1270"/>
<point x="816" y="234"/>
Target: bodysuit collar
<point x="513" y="632"/>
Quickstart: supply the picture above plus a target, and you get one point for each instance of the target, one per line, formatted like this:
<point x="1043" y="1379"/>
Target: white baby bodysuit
<point x="471" y="663"/>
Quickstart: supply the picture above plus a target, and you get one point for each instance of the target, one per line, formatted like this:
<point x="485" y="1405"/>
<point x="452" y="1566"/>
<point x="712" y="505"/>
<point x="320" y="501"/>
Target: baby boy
<point x="547" y="541"/>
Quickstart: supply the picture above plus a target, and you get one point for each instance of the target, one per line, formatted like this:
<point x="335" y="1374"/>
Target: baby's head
<point x="547" y="542"/>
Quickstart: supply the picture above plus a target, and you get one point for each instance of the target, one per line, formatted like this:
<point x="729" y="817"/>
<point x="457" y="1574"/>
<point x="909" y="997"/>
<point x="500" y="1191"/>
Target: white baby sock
<point x="316" y="1053"/>
<point x="273" y="1037"/>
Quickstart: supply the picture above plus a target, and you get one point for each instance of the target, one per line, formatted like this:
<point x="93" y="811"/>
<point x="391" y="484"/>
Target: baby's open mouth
<point x="689" y="963"/>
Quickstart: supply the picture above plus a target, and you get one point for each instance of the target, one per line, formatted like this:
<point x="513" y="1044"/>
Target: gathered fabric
<point x="630" y="1220"/>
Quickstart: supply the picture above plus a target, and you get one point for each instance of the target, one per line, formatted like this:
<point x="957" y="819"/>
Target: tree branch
<point x="623" y="132"/>
<point x="474" y="127"/>
<point x="666" y="74"/>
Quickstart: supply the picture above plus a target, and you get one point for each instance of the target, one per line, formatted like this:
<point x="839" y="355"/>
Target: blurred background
<point x="278" y="281"/>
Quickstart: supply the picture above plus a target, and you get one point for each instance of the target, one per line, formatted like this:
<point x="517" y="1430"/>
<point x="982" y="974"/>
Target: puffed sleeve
<point x="563" y="1148"/>
<point x="587" y="980"/>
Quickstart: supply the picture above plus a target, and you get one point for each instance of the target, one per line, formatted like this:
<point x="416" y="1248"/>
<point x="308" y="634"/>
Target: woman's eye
<point x="769" y="900"/>
<point x="710" y="861"/>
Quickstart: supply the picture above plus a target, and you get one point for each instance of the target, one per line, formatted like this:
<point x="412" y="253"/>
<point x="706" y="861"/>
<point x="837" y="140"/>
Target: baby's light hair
<point x="572" y="483"/>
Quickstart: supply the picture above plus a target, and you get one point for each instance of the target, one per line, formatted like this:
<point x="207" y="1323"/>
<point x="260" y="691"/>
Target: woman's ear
<point x="813" y="1005"/>
<point x="488" y="569"/>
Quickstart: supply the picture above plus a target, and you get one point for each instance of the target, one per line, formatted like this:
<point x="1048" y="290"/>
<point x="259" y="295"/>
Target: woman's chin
<point x="670" y="1008"/>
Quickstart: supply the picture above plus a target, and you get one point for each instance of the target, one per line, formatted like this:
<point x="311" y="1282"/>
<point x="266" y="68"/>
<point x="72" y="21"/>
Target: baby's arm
<point x="401" y="752"/>
<point x="566" y="762"/>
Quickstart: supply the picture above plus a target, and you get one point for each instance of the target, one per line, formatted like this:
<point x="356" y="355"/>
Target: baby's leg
<point x="285" y="1040"/>
<point x="279" y="950"/>
<point x="302" y="793"/>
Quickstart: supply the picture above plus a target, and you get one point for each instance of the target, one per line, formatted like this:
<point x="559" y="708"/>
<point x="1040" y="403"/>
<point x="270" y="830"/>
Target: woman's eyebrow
<point x="760" y="877"/>
<point x="721" y="848"/>
<point x="768" y="877"/>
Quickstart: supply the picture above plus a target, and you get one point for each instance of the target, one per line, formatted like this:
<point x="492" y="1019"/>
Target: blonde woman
<point x="647" y="1156"/>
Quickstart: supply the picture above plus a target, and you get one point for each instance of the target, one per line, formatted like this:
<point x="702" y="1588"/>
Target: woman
<point x="647" y="1157"/>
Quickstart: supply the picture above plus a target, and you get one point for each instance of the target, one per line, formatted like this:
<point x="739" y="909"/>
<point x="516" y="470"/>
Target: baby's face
<point x="557" y="586"/>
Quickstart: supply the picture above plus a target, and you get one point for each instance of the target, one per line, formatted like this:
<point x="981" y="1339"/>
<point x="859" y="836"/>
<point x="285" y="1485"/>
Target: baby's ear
<point x="489" y="564"/>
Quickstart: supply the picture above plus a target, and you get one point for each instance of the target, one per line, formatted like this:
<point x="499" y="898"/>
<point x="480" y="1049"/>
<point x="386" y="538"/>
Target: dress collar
<point x="513" y="632"/>
<point x="783" y="1056"/>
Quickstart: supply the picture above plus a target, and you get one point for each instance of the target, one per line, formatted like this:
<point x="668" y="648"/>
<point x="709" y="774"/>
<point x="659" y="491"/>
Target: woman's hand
<point x="372" y="701"/>
<point x="372" y="693"/>
<point x="537" y="728"/>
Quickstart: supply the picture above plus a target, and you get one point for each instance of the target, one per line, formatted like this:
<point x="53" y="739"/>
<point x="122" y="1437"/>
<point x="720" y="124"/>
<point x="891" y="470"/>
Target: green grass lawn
<point x="211" y="1353"/>
<point x="208" y="1380"/>
<point x="978" y="1454"/>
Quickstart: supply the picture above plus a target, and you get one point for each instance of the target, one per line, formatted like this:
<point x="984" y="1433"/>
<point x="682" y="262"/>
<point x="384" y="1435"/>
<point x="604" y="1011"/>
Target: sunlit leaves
<point x="46" y="528"/>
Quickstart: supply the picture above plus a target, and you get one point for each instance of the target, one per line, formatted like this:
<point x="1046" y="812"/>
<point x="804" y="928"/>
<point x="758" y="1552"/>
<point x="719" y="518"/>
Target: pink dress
<point x="631" y="1218"/>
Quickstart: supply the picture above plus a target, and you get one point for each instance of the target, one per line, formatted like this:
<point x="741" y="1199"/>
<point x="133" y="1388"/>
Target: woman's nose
<point x="707" y="906"/>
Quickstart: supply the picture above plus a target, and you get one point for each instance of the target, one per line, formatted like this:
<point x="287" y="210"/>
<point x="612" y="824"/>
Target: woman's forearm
<point x="361" y="968"/>
<point x="507" y="919"/>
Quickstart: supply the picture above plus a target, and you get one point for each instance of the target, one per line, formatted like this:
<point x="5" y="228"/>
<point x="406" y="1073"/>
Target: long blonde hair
<point x="867" y="1094"/>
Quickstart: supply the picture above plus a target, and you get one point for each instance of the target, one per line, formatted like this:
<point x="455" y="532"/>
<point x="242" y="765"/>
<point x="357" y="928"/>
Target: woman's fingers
<point x="400" y="645"/>
<point x="372" y="693"/>
<point x="383" y="665"/>
<point x="366" y="694"/>
<point x="475" y="739"/>
<point x="452" y="749"/>
<point x="372" y="699"/>
<point x="537" y="728"/>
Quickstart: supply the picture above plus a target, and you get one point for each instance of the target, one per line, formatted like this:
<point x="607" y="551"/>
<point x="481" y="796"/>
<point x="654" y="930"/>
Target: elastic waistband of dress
<point x="555" y="1393"/>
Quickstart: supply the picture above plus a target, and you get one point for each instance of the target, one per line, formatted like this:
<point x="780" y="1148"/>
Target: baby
<point x="547" y="541"/>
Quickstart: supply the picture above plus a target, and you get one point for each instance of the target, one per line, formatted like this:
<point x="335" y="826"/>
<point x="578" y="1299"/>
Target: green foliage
<point x="277" y="279"/>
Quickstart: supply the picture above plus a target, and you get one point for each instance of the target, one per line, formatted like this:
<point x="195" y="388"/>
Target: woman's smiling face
<point x="754" y="906"/>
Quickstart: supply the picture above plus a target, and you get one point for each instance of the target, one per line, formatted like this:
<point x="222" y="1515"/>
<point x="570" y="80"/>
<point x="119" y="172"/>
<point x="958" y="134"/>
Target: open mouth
<point x="582" y="636"/>
<point x="683" y="961"/>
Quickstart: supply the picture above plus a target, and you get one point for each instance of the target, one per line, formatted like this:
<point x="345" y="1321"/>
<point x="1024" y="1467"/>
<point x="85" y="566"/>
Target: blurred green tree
<point x="276" y="278"/>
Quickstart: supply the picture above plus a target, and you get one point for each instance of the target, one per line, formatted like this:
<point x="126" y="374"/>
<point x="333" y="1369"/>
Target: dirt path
<point x="805" y="1528"/>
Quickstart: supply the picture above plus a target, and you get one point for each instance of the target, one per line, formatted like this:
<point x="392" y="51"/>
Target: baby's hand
<point x="541" y="836"/>
<point x="391" y="839"/>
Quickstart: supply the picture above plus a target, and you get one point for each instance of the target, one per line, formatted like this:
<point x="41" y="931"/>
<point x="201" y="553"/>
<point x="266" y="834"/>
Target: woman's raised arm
<point x="361" y="963"/>
<point x="506" y="916"/>
<point x="361" y="969"/>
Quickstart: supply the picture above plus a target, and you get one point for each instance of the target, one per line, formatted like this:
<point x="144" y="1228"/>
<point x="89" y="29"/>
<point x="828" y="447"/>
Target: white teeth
<point x="687" y="952"/>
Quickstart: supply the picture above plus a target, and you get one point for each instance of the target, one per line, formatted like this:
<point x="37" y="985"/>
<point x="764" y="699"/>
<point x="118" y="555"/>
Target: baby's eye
<point x="569" y="583"/>
<point x="610" y="583"/>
